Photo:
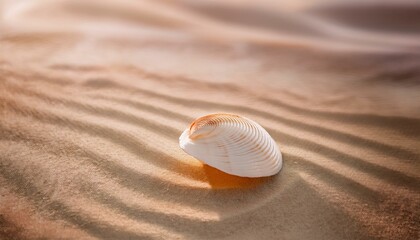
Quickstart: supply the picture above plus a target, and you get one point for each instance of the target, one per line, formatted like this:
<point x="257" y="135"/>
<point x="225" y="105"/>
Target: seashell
<point x="233" y="144"/>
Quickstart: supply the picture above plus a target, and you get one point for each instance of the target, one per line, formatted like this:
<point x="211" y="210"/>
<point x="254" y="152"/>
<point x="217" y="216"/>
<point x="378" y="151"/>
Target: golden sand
<point x="94" y="95"/>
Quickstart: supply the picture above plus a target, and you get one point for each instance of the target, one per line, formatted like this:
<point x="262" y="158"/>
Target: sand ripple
<point x="94" y="95"/>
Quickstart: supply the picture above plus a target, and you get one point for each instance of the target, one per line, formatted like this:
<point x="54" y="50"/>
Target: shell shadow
<point x="221" y="180"/>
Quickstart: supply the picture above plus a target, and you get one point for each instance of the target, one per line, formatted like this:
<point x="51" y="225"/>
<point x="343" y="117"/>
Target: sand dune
<point x="94" y="95"/>
<point x="386" y="17"/>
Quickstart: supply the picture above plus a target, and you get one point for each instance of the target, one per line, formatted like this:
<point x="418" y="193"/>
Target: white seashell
<point x="232" y="144"/>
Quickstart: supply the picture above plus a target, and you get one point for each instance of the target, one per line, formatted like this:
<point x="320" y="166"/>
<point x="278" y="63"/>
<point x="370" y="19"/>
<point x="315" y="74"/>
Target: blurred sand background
<point x="94" y="95"/>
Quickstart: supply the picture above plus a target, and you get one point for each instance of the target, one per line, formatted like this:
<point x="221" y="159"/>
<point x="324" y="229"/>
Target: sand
<point x="94" y="95"/>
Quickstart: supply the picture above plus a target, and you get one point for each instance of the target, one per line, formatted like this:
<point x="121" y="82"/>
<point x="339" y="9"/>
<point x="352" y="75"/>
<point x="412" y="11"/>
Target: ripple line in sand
<point x="107" y="166"/>
<point x="339" y="181"/>
<point x="127" y="177"/>
<point x="156" y="158"/>
<point x="367" y="216"/>
<point x="407" y="126"/>
<point x="358" y="190"/>
<point x="92" y="195"/>
<point x="389" y="175"/>
<point x="405" y="155"/>
<point x="379" y="171"/>
<point x="32" y="193"/>
<point x="384" y="173"/>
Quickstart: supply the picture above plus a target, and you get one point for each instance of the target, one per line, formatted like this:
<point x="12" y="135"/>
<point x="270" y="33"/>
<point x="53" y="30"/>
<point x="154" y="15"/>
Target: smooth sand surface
<point x="94" y="95"/>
